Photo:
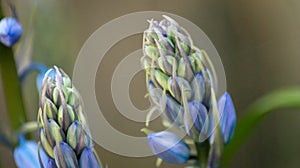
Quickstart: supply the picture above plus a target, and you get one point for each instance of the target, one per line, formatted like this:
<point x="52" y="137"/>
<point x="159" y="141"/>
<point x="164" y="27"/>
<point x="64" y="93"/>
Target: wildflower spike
<point x="63" y="129"/>
<point x="179" y="80"/>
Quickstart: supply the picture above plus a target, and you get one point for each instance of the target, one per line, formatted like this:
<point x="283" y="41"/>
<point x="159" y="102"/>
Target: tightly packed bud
<point x="63" y="133"/>
<point x="10" y="31"/>
<point x="178" y="74"/>
<point x="169" y="147"/>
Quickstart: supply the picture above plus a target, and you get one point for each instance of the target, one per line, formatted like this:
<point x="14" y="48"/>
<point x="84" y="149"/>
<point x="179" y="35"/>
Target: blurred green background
<point x="258" y="41"/>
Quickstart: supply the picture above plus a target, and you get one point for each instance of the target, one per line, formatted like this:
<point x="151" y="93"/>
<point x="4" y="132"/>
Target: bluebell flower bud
<point x="169" y="147"/>
<point x="10" y="31"/>
<point x="175" y="87"/>
<point x="228" y="117"/>
<point x="65" y="156"/>
<point x="26" y="154"/>
<point x="196" y="120"/>
<point x="172" y="110"/>
<point x="88" y="159"/>
<point x="198" y="86"/>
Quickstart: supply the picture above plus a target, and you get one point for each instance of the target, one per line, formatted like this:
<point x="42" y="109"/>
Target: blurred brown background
<point x="258" y="42"/>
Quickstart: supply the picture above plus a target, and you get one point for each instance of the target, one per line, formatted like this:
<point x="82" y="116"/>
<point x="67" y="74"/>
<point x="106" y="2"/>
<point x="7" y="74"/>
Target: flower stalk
<point x="202" y="151"/>
<point x="11" y="86"/>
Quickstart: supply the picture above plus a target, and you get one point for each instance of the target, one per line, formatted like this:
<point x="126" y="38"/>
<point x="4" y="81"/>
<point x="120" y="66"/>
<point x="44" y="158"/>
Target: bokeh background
<point x="258" y="41"/>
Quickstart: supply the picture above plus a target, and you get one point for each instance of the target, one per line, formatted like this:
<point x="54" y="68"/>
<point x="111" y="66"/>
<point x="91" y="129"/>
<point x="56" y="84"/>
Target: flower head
<point x="181" y="82"/>
<point x="63" y="133"/>
<point x="10" y="31"/>
<point x="180" y="72"/>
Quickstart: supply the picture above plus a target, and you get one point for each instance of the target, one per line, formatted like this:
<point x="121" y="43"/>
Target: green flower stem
<point x="12" y="88"/>
<point x="202" y="151"/>
<point x="280" y="99"/>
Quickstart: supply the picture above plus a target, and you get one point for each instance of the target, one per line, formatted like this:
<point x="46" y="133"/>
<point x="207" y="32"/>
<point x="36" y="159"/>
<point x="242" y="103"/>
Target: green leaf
<point x="280" y="99"/>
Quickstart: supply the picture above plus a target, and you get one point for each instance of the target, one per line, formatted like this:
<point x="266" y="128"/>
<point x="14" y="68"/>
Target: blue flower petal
<point x="26" y="155"/>
<point x="228" y="117"/>
<point x="197" y="119"/>
<point x="169" y="147"/>
<point x="88" y="159"/>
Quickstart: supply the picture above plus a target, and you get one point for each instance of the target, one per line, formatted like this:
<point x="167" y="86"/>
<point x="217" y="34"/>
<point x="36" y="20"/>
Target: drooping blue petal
<point x="88" y="159"/>
<point x="173" y="110"/>
<point x="10" y="31"/>
<point x="228" y="117"/>
<point x="26" y="154"/>
<point x="196" y="117"/>
<point x="169" y="147"/>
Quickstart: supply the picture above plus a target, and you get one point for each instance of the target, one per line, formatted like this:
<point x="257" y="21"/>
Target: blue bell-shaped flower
<point x="228" y="117"/>
<point x="10" y="31"/>
<point x="26" y="154"/>
<point x="169" y="147"/>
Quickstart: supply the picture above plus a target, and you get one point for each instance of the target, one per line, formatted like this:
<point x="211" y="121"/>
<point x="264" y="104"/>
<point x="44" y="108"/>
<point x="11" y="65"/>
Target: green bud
<point x="67" y="82"/>
<point x="66" y="116"/>
<point x="53" y="132"/>
<point x="167" y="64"/>
<point x="76" y="137"/>
<point x="72" y="98"/>
<point x="50" y="109"/>
<point x="186" y="68"/>
<point x="175" y="85"/>
<point x="198" y="62"/>
<point x="161" y="78"/>
<point x="147" y="63"/>
<point x="57" y="96"/>
<point x="152" y="52"/>
<point x="65" y="156"/>
<point x="45" y="144"/>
